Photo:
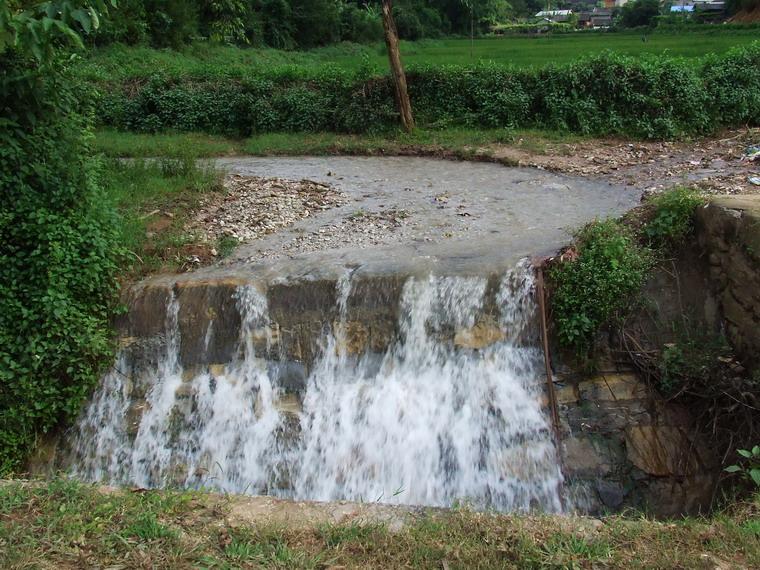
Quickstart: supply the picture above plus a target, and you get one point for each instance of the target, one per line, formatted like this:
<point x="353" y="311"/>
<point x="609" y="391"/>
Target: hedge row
<point x="652" y="97"/>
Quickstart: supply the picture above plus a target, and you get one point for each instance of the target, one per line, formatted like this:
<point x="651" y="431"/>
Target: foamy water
<point x="425" y="423"/>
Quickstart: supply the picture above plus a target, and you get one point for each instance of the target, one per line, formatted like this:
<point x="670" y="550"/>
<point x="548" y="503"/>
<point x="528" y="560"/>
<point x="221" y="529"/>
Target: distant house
<point x="554" y="15"/>
<point x="601" y="17"/>
<point x="706" y="10"/>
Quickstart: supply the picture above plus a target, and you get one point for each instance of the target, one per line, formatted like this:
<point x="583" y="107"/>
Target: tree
<point x="397" y="68"/>
<point x="639" y="13"/>
<point x="39" y="29"/>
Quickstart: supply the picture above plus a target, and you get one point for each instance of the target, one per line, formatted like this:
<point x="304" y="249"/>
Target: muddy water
<point x="448" y="208"/>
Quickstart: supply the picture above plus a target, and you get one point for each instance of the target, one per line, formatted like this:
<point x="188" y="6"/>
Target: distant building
<point x="601" y="17"/>
<point x="554" y="15"/>
<point x="706" y="10"/>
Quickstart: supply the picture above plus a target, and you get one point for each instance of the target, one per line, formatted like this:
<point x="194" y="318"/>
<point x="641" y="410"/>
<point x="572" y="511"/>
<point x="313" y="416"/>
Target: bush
<point x="673" y="217"/>
<point x="733" y="85"/>
<point x="57" y="254"/>
<point x="599" y="284"/>
<point x="655" y="97"/>
<point x="639" y="13"/>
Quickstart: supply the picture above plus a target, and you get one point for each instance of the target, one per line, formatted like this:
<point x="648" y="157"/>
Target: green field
<point x="118" y="62"/>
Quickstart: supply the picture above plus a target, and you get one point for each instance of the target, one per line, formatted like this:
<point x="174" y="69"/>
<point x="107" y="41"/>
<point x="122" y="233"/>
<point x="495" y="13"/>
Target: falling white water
<point x="425" y="423"/>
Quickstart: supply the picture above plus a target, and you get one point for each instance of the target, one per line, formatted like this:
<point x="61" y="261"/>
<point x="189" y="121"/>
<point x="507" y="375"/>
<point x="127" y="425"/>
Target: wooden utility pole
<point x="397" y="69"/>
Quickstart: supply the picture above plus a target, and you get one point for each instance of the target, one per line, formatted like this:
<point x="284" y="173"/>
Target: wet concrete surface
<point x="423" y="214"/>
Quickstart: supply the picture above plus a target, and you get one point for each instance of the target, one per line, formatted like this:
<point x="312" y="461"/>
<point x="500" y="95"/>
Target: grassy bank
<point x="69" y="525"/>
<point x="200" y="60"/>
<point x="462" y="142"/>
<point x="154" y="199"/>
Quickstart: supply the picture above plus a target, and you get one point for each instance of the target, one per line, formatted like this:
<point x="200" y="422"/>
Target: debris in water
<point x="752" y="153"/>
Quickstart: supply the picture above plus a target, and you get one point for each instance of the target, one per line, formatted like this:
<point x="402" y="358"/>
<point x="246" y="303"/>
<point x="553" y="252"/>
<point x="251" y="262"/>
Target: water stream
<point x="427" y="422"/>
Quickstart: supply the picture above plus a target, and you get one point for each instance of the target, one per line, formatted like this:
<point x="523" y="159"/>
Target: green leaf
<point x="83" y="17"/>
<point x="744" y="453"/>
<point x="755" y="474"/>
<point x="95" y="19"/>
<point x="732" y="469"/>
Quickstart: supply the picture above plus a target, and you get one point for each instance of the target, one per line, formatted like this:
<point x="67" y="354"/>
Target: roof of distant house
<point x="548" y="13"/>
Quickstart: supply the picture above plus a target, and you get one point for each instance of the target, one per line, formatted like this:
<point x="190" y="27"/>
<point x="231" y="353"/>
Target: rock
<point x="579" y="455"/>
<point x="611" y="493"/>
<point x="481" y="335"/>
<point x="660" y="450"/>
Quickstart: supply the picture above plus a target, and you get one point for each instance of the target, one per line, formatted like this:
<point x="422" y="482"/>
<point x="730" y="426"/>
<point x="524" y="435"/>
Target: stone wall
<point x="622" y="444"/>
<point x="729" y="231"/>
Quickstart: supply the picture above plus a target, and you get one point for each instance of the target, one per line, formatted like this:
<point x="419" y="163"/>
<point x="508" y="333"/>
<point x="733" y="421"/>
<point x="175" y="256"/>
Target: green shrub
<point x="57" y="254"/>
<point x="694" y="360"/>
<point x="750" y="465"/>
<point x="653" y="97"/>
<point x="733" y="84"/>
<point x="599" y="284"/>
<point x="673" y="217"/>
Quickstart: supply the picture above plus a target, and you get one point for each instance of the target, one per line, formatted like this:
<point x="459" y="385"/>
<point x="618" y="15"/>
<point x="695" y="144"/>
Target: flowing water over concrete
<point x="431" y="420"/>
<point x="436" y="207"/>
<point x="401" y="370"/>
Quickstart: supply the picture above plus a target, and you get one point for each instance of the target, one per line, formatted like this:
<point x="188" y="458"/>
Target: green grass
<point x="457" y="141"/>
<point x="130" y="145"/>
<point x="119" y="62"/>
<point x="154" y="199"/>
<point x="69" y="525"/>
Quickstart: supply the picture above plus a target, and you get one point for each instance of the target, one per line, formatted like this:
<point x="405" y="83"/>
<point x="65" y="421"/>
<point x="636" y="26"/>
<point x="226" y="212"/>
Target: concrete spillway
<point x="408" y="373"/>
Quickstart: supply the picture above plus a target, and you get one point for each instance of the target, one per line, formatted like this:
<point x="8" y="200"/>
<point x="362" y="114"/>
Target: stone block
<point x="611" y="493"/>
<point x="567" y="394"/>
<point x="352" y="337"/>
<point x="217" y="370"/>
<point x="289" y="404"/>
<point x="580" y="456"/>
<point x="613" y="387"/>
<point x="667" y="497"/>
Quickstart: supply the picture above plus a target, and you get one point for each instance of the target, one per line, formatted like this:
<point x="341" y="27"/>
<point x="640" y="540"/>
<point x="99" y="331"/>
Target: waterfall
<point x="441" y="417"/>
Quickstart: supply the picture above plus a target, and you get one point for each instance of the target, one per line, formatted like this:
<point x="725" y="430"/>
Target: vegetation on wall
<point x="605" y="270"/>
<point x="672" y="219"/>
<point x="57" y="237"/>
<point x="598" y="281"/>
<point x="598" y="278"/>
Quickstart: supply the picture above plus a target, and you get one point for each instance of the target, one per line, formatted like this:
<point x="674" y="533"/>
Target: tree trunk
<point x="397" y="69"/>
